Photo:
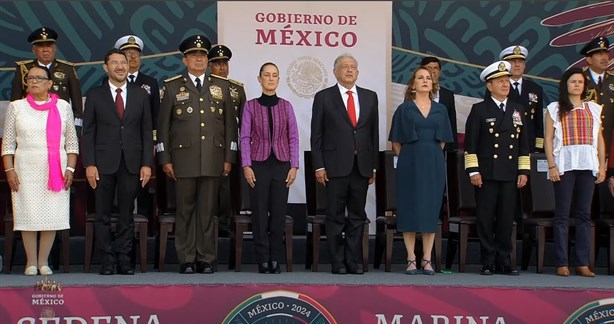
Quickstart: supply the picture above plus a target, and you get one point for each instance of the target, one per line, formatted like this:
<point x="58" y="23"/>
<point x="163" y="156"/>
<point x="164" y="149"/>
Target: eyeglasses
<point x="36" y="78"/>
<point x="114" y="63"/>
<point x="132" y="53"/>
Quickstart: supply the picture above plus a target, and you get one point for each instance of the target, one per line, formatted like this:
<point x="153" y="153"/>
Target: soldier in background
<point x="197" y="144"/>
<point x="65" y="80"/>
<point x="600" y="83"/>
<point x="219" y="55"/>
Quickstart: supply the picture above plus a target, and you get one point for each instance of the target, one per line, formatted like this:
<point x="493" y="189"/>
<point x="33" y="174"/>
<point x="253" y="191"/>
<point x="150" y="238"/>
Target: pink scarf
<point x="54" y="129"/>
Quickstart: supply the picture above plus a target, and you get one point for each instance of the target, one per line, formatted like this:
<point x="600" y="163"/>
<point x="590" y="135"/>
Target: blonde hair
<point x="410" y="93"/>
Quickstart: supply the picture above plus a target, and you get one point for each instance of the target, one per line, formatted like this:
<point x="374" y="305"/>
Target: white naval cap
<point x="495" y="70"/>
<point x="129" y="41"/>
<point x="513" y="52"/>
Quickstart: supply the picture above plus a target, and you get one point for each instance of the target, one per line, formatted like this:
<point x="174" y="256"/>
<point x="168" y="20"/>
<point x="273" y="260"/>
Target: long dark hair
<point x="565" y="104"/>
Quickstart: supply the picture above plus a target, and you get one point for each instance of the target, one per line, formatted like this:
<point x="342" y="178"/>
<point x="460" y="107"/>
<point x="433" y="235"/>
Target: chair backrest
<point x="606" y="201"/>
<point x="541" y="202"/>
<point x="315" y="192"/>
<point x="461" y="193"/>
<point x="244" y="200"/>
<point x="386" y="184"/>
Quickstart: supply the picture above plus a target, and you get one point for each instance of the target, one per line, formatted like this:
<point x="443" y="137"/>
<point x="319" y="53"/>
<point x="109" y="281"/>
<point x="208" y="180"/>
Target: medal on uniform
<point x="189" y="110"/>
<point x="234" y="93"/>
<point x="490" y="130"/>
<point x="220" y="111"/>
<point x="611" y="86"/>
<point x="533" y="97"/>
<point x="183" y="96"/>
<point x="56" y="87"/>
<point x="182" y="89"/>
<point x="216" y="92"/>
<point x="59" y="75"/>
<point x="517" y="129"/>
<point x="516" y="119"/>
<point x="212" y="109"/>
<point x="147" y="88"/>
<point x="179" y="111"/>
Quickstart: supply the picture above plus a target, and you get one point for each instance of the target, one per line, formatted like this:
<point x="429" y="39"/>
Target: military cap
<point x="495" y="70"/>
<point x="514" y="52"/>
<point x="597" y="44"/>
<point x="195" y="43"/>
<point x="43" y="35"/>
<point x="129" y="41"/>
<point x="219" y="52"/>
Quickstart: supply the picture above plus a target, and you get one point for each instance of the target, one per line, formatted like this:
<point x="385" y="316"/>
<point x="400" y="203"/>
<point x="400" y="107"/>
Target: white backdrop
<point x="303" y="39"/>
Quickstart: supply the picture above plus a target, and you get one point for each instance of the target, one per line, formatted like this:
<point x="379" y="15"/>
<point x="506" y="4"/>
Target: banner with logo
<point x="49" y="302"/>
<point x="303" y="38"/>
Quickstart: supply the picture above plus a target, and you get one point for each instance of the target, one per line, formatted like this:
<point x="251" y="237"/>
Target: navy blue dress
<point x="421" y="171"/>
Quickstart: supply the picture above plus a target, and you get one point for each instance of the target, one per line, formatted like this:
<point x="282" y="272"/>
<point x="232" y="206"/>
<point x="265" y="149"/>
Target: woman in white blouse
<point x="575" y="151"/>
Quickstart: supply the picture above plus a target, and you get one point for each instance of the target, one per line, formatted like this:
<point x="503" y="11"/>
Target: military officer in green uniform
<point x="197" y="142"/>
<point x="219" y="55"/>
<point x="497" y="161"/>
<point x="600" y="83"/>
<point x="65" y="81"/>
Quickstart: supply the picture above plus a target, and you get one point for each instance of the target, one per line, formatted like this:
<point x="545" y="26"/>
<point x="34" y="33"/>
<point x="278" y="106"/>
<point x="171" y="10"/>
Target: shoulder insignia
<point x="610" y="73"/>
<point x="173" y="78"/>
<point x="235" y="82"/>
<point x="24" y="62"/>
<point x="219" y="77"/>
<point x="66" y="62"/>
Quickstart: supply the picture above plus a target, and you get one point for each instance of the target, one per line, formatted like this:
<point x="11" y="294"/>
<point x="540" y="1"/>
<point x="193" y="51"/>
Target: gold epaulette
<point x="219" y="77"/>
<point x="610" y="73"/>
<point x="539" y="142"/>
<point x="524" y="162"/>
<point x="471" y="161"/>
<point x="66" y="62"/>
<point x="240" y="84"/>
<point x="173" y="78"/>
<point x="23" y="62"/>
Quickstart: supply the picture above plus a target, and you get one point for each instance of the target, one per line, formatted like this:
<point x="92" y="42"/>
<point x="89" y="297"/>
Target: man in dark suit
<point x="444" y="96"/>
<point x="117" y="155"/>
<point x="133" y="46"/>
<point x="197" y="142"/>
<point x="344" y="148"/>
<point x="65" y="80"/>
<point x="497" y="160"/>
<point x="600" y="83"/>
<point x="219" y="57"/>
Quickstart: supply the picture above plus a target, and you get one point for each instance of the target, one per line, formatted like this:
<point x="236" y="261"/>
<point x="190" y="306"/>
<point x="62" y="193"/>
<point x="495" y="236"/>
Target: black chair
<point x="316" y="219"/>
<point x="243" y="224"/>
<point x="385" y="188"/>
<point x="461" y="202"/>
<point x="10" y="237"/>
<point x="166" y="201"/>
<point x="605" y="224"/>
<point x="538" y="201"/>
<point x="140" y="229"/>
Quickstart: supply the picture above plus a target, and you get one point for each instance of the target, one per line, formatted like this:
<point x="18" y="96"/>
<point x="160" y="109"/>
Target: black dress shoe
<point x="353" y="268"/>
<point x="339" y="269"/>
<point x="125" y="269"/>
<point x="263" y="267"/>
<point x="507" y="270"/>
<point x="107" y="269"/>
<point x="487" y="270"/>
<point x="186" y="268"/>
<point x="274" y="267"/>
<point x="207" y="268"/>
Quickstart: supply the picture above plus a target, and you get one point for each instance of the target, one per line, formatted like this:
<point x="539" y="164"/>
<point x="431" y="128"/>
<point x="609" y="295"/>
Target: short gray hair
<point x="341" y="57"/>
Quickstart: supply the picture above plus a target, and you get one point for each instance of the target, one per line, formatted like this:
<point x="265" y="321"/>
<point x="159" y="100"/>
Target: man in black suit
<point x="133" y="46"/>
<point x="444" y="96"/>
<point x="117" y="154"/>
<point x="497" y="160"/>
<point x="344" y="148"/>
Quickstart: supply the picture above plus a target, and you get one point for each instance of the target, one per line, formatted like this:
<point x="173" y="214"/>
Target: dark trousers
<point x="269" y="202"/>
<point x="495" y="208"/>
<point x="576" y="186"/>
<point x="126" y="184"/>
<point x="195" y="223"/>
<point x="224" y="206"/>
<point x="346" y="193"/>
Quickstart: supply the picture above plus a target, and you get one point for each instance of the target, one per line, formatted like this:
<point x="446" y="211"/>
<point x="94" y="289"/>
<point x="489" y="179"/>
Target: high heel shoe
<point x="584" y="271"/>
<point x="428" y="272"/>
<point x="45" y="271"/>
<point x="562" y="271"/>
<point x="31" y="271"/>
<point x="410" y="271"/>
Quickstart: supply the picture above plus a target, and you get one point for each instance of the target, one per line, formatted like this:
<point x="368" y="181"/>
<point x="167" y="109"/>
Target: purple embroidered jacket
<point x="255" y="133"/>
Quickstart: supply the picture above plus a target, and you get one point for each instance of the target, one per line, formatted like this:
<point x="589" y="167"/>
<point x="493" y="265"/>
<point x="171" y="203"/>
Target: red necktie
<point x="351" y="108"/>
<point x="119" y="103"/>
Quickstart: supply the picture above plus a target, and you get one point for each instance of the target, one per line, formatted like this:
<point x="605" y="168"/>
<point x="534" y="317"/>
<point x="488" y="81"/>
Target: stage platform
<point x="303" y="296"/>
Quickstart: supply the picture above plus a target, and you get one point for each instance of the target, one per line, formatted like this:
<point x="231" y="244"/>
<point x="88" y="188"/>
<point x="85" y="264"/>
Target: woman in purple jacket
<point x="269" y="149"/>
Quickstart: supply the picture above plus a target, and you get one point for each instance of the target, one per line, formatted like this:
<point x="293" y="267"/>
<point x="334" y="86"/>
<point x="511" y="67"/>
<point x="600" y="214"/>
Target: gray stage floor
<point x="301" y="276"/>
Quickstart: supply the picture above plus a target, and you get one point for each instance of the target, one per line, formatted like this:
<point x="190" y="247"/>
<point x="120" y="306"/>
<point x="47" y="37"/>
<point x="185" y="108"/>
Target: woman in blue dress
<point x="420" y="128"/>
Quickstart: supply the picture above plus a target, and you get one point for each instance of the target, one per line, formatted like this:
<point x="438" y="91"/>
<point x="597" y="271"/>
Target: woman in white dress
<point x="39" y="151"/>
